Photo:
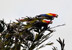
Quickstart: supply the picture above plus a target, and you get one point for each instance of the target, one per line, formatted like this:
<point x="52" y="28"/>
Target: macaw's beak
<point x="51" y="22"/>
<point x="56" y="16"/>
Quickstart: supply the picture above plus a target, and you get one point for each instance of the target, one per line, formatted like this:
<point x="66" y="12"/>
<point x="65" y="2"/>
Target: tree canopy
<point x="17" y="35"/>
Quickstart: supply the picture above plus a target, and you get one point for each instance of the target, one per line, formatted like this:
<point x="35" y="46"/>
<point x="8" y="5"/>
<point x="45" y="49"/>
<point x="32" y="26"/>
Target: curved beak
<point x="56" y="16"/>
<point x="51" y="22"/>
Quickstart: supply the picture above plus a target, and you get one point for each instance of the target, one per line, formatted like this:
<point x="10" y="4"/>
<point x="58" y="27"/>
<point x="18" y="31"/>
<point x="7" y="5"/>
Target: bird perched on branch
<point x="49" y="16"/>
<point x="44" y="23"/>
<point x="32" y="21"/>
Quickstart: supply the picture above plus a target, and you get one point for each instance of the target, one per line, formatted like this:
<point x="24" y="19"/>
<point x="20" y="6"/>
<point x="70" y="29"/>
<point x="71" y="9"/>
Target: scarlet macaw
<point x="48" y="16"/>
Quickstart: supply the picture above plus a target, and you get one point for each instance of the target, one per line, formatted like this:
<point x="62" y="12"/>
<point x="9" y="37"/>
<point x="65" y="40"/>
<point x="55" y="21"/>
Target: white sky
<point x="14" y="9"/>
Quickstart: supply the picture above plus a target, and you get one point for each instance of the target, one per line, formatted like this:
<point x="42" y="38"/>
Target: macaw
<point x="39" y="24"/>
<point x="48" y="16"/>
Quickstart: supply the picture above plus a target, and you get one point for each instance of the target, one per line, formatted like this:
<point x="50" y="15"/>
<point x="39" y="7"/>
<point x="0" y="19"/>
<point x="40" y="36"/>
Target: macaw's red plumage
<point x="52" y="14"/>
<point x="49" y="16"/>
<point x="45" y="21"/>
<point x="21" y="19"/>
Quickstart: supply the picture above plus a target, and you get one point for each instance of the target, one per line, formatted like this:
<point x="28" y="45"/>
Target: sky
<point x="15" y="9"/>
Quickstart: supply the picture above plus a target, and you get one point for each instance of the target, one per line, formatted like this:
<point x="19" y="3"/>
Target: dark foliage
<point x="15" y="35"/>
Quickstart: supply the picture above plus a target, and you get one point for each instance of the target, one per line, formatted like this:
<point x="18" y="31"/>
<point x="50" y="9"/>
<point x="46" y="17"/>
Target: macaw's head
<point x="52" y="14"/>
<point x="48" y="22"/>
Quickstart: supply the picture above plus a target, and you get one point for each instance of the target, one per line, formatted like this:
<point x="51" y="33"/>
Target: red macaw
<point x="48" y="15"/>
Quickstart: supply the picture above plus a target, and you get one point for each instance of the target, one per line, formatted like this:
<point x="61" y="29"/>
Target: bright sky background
<point x="14" y="9"/>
